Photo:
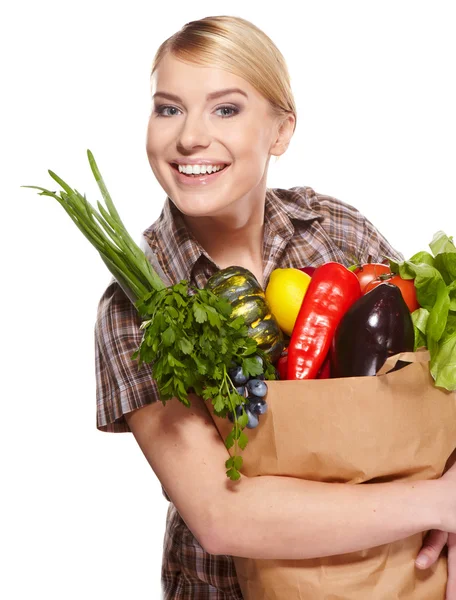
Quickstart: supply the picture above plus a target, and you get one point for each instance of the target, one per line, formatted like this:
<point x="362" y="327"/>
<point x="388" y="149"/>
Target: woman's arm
<point x="277" y="517"/>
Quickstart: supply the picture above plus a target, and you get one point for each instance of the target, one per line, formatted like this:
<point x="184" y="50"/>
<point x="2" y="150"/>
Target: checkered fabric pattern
<point x="301" y="228"/>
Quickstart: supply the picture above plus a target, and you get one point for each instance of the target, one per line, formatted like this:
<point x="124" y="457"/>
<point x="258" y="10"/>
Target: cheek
<point x="151" y="140"/>
<point x="159" y="133"/>
<point x="154" y="150"/>
<point x="251" y="144"/>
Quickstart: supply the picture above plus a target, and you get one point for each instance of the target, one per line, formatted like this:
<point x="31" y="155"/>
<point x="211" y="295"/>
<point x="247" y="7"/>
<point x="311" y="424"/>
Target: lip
<point x="196" y="180"/>
<point x="198" y="161"/>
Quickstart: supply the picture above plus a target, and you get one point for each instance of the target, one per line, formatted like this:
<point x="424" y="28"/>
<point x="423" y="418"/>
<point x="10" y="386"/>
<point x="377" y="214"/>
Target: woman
<point x="222" y="106"/>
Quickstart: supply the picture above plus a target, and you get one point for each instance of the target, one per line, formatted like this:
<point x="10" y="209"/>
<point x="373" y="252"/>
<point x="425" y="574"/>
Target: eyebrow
<point x="211" y="96"/>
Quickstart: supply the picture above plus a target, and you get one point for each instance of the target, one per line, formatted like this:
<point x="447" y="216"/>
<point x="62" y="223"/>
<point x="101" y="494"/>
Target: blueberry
<point x="259" y="360"/>
<point x="238" y="413"/>
<point x="240" y="389"/>
<point x="237" y="376"/>
<point x="257" y="387"/>
<point x="257" y="406"/>
<point x="253" y="420"/>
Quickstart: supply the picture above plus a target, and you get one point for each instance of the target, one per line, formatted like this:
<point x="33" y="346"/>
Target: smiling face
<point x="210" y="137"/>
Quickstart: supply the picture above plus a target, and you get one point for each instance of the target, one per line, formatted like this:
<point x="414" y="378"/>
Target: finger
<point x="451" y="583"/>
<point x="433" y="545"/>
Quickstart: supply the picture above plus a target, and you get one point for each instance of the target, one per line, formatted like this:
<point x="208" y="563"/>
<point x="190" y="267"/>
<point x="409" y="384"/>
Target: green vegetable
<point x="191" y="339"/>
<point x="435" y="322"/>
<point x="240" y="287"/>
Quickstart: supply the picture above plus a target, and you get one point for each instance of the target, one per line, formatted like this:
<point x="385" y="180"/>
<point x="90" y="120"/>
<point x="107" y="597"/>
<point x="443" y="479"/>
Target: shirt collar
<point x="178" y="250"/>
<point x="173" y="243"/>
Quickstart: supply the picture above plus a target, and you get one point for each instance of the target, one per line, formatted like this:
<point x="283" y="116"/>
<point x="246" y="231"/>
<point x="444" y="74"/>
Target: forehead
<point x="194" y="81"/>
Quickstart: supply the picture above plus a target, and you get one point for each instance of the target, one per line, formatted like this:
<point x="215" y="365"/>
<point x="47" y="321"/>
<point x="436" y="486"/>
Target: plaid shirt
<point x="301" y="228"/>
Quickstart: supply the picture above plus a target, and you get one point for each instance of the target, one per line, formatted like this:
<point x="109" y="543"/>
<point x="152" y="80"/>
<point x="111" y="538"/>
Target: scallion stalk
<point x="106" y="232"/>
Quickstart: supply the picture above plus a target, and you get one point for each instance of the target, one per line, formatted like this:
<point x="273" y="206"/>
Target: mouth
<point x="205" y="171"/>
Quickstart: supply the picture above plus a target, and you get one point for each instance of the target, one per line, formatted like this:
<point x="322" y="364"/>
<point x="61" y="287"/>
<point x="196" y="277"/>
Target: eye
<point x="227" y="111"/>
<point x="166" y="110"/>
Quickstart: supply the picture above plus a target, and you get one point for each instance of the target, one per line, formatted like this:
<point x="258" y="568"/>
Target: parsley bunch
<point x="192" y="342"/>
<point x="189" y="337"/>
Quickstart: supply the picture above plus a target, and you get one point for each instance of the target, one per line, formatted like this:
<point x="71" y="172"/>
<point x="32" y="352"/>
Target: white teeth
<point x="199" y="169"/>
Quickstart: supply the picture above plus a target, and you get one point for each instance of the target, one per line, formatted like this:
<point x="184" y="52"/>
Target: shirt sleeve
<point x="120" y="386"/>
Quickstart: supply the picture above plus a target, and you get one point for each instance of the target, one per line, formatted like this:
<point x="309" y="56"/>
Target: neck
<point x="234" y="236"/>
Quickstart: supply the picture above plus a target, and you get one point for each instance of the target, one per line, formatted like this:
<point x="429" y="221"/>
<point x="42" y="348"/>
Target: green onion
<point x="190" y="339"/>
<point x="106" y="232"/>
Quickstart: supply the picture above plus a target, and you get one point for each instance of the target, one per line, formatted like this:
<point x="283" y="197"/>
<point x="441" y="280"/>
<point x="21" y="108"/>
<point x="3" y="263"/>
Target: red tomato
<point x="282" y="366"/>
<point x="309" y="270"/>
<point x="368" y="272"/>
<point x="406" y="286"/>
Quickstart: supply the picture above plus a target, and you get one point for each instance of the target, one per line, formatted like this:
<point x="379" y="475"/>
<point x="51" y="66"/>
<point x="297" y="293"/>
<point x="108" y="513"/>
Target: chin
<point x="198" y="206"/>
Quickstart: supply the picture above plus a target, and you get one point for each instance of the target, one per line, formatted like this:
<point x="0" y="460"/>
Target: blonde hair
<point x="239" y="47"/>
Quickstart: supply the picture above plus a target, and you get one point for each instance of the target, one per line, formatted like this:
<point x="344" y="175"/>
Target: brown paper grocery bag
<point x="353" y="430"/>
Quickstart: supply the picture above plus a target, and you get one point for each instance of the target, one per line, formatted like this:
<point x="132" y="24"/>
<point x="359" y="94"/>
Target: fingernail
<point x="422" y="562"/>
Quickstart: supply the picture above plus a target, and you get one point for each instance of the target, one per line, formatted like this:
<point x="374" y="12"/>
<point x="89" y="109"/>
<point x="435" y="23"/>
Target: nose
<point x="193" y="134"/>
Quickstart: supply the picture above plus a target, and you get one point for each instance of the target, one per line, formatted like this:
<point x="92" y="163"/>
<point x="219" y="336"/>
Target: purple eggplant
<point x="376" y="326"/>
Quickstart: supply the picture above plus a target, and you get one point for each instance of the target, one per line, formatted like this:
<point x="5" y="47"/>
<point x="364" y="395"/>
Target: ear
<point x="284" y="135"/>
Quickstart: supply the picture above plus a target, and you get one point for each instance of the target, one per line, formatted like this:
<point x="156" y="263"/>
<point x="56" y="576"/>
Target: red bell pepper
<point x="282" y="367"/>
<point x="331" y="292"/>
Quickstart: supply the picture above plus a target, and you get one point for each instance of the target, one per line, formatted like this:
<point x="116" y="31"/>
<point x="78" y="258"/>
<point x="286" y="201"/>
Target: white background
<point x="83" y="513"/>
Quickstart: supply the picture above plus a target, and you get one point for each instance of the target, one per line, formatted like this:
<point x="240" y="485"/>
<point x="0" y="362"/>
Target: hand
<point x="430" y="552"/>
<point x="451" y="585"/>
<point x="451" y="542"/>
<point x="436" y="540"/>
<point x="433" y="544"/>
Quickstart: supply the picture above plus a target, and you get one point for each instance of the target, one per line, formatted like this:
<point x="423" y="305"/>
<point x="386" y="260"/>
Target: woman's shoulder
<point x="305" y="201"/>
<point x="308" y="197"/>
<point x="342" y="223"/>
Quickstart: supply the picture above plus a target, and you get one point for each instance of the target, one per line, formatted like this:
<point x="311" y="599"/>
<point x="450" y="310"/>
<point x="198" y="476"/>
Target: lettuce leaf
<point x="420" y="318"/>
<point x="438" y="316"/>
<point x="446" y="264"/>
<point x="452" y="293"/>
<point x="441" y="243"/>
<point x="435" y="322"/>
<point x="443" y="357"/>
<point x="422" y="257"/>
<point x="428" y="281"/>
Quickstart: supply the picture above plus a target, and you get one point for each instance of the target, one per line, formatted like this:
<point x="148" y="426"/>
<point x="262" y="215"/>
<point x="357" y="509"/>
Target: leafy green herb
<point x="106" y="232"/>
<point x="189" y="336"/>
<point x="420" y="318"/>
<point x="443" y="356"/>
<point x="435" y="322"/>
